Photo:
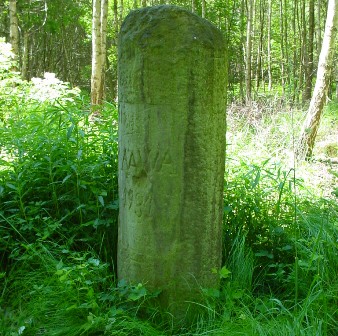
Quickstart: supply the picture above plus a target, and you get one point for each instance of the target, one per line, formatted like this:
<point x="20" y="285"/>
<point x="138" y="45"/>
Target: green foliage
<point x="59" y="292"/>
<point x="58" y="222"/>
<point x="58" y="172"/>
<point x="280" y="235"/>
<point x="259" y="207"/>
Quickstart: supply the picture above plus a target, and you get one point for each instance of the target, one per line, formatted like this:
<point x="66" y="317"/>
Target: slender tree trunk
<point x="281" y="16"/>
<point x="121" y="11"/>
<point x="269" y="45"/>
<point x="193" y="6"/>
<point x="204" y="7"/>
<point x="248" y="49"/>
<point x="303" y="48"/>
<point x="25" y="56"/>
<point x="104" y="16"/>
<point x="295" y="54"/>
<point x="116" y="19"/>
<point x="287" y="78"/>
<point x="319" y="29"/>
<point x="99" y="32"/>
<point x="260" y="44"/>
<point x="14" y="29"/>
<point x="96" y="95"/>
<point x="309" y="65"/>
<point x="241" y="51"/>
<point x="253" y="34"/>
<point x="311" y="124"/>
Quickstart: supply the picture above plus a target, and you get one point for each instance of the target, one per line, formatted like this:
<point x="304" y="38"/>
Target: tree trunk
<point x="260" y="43"/>
<point x="116" y="19"/>
<point x="203" y="8"/>
<point x="311" y="124"/>
<point x="99" y="33"/>
<point x="104" y="16"/>
<point x="241" y="52"/>
<point x="25" y="56"/>
<point x="248" y="49"/>
<point x="295" y="53"/>
<point x="282" y="45"/>
<point x="193" y="6"/>
<point x="269" y="45"/>
<point x="303" y="49"/>
<point x="14" y="29"/>
<point x="319" y="30"/>
<point x="309" y="65"/>
<point x="286" y="44"/>
<point x="121" y="11"/>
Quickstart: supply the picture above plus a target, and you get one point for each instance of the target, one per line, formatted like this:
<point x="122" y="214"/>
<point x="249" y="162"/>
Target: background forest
<point x="58" y="175"/>
<point x="273" y="46"/>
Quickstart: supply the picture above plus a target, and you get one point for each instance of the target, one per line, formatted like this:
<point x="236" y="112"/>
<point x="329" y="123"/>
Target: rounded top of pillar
<point x="170" y="24"/>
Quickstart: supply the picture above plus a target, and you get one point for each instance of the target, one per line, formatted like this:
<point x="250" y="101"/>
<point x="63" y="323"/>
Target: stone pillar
<point x="172" y="77"/>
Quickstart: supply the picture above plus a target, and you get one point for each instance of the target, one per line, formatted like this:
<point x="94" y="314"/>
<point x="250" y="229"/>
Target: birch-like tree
<point x="318" y="100"/>
<point x="269" y="45"/>
<point x="309" y="59"/>
<point x="248" y="49"/>
<point x="99" y="49"/>
<point x="14" y="28"/>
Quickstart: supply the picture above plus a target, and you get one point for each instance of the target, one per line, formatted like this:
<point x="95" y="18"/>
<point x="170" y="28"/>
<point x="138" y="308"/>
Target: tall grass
<point x="277" y="208"/>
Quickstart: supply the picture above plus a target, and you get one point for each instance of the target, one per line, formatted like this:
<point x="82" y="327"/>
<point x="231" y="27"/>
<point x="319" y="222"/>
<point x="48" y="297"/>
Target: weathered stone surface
<point x="171" y="152"/>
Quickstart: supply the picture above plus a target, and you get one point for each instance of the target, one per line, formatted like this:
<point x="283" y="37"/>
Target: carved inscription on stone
<point x="139" y="162"/>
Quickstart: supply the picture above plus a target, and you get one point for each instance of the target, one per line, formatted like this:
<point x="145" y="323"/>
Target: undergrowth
<point x="58" y="223"/>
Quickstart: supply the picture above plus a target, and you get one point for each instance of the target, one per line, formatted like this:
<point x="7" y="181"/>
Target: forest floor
<point x="264" y="131"/>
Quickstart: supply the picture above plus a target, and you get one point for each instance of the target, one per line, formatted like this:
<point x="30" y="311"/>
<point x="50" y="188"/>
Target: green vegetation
<point x="58" y="220"/>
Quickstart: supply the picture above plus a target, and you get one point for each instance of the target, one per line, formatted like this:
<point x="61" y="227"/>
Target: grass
<point x="58" y="222"/>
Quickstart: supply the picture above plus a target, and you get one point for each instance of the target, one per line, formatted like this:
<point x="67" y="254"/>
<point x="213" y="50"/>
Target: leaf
<point x="101" y="200"/>
<point x="212" y="292"/>
<point x="264" y="253"/>
<point x="137" y="294"/>
<point x="11" y="186"/>
<point x="278" y="230"/>
<point x="103" y="193"/>
<point x="258" y="176"/>
<point x="66" y="178"/>
<point x="69" y="131"/>
<point x="94" y="261"/>
<point x="63" y="277"/>
<point x="286" y="248"/>
<point x="237" y="294"/>
<point x="227" y="209"/>
<point x="214" y="270"/>
<point x="114" y="205"/>
<point x="224" y="273"/>
<point x="21" y="330"/>
<point x="59" y="266"/>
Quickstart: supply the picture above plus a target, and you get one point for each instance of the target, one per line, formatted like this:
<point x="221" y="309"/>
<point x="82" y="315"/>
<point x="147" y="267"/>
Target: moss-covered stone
<point x="172" y="74"/>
